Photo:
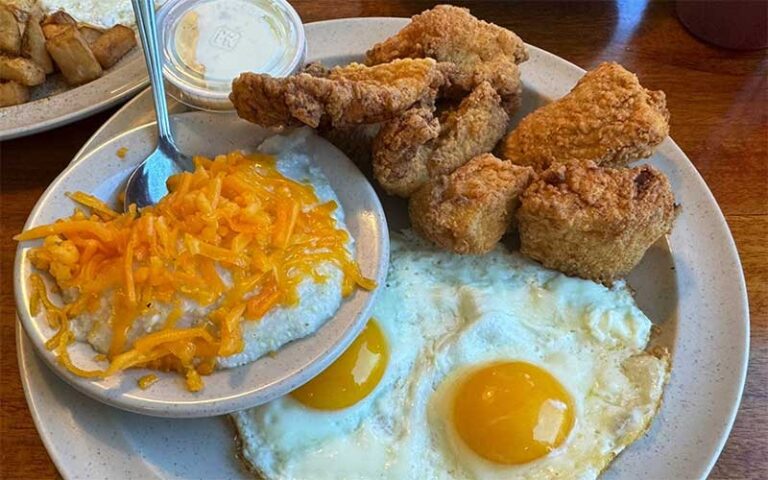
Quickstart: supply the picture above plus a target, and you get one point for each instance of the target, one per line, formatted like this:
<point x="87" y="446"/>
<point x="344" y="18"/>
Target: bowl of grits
<point x="249" y="278"/>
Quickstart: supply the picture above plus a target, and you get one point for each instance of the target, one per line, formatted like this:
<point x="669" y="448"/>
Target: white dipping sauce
<point x="231" y="35"/>
<point x="207" y="44"/>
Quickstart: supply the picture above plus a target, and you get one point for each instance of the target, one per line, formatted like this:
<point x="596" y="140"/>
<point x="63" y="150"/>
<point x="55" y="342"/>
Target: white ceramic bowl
<point x="102" y="173"/>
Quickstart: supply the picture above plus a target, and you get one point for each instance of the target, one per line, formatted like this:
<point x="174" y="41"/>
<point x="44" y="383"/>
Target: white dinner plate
<point x="692" y="287"/>
<point x="55" y="104"/>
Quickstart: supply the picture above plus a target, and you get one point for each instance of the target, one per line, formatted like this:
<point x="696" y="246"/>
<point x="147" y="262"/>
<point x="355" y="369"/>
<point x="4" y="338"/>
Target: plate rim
<point x="703" y="470"/>
<point x="78" y="110"/>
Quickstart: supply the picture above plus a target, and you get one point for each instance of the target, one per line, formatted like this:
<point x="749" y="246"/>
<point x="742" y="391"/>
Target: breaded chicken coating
<point x="473" y="128"/>
<point x="343" y="96"/>
<point x="355" y="141"/>
<point x="477" y="51"/>
<point x="594" y="222"/>
<point x="316" y="69"/>
<point x="502" y="74"/>
<point x="608" y="118"/>
<point x="401" y="149"/>
<point x="469" y="210"/>
<point x="411" y="149"/>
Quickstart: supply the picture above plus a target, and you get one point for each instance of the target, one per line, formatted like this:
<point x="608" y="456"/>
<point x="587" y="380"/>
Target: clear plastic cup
<point x="207" y="43"/>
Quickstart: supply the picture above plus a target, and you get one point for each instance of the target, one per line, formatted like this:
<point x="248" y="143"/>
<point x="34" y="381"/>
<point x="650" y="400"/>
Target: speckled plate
<point x="103" y="174"/>
<point x="692" y="287"/>
<point x="55" y="104"/>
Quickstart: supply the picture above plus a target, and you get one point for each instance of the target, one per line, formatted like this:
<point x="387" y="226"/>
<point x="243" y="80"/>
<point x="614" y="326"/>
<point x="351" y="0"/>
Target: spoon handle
<point x="144" y="10"/>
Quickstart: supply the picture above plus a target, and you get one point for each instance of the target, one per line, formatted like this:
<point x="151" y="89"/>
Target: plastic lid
<point x="208" y="43"/>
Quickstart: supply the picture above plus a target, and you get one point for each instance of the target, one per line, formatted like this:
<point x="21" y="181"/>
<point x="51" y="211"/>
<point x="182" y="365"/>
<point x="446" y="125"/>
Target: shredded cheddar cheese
<point x="147" y="381"/>
<point x="236" y="213"/>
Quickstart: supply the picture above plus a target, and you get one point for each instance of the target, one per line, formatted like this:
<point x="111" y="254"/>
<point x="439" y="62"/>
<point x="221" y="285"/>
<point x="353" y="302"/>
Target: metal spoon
<point x="147" y="184"/>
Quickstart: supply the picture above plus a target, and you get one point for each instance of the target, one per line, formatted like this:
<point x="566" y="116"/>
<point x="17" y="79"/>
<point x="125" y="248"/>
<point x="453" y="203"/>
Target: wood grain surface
<point x="719" y="104"/>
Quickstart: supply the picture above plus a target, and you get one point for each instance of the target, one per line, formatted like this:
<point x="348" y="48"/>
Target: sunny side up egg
<point x="494" y="368"/>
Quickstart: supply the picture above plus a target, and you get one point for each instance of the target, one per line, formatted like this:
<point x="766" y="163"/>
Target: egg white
<point x="444" y="315"/>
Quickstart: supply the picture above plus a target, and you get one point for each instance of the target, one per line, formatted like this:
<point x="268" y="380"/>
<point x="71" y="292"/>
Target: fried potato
<point x="33" y="45"/>
<point x="90" y="33"/>
<point x="29" y="7"/>
<point x="10" y="31"/>
<point x="57" y="23"/>
<point x="52" y="29"/>
<point x="74" y="57"/>
<point x="22" y="13"/>
<point x="59" y="18"/>
<point x="469" y="210"/>
<point x="594" y="222"/>
<point x="113" y="44"/>
<point x="13" y="93"/>
<point x="21" y="70"/>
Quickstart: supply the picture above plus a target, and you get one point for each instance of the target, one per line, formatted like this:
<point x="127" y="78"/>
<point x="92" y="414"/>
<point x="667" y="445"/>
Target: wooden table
<point x="719" y="105"/>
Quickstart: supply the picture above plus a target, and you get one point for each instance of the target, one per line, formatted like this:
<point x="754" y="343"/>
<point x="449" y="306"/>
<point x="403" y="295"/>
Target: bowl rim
<point x="247" y="397"/>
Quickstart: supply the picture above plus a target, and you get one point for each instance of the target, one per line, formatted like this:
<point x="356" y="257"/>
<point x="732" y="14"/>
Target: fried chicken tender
<point x="475" y="127"/>
<point x="355" y="141"/>
<point x="401" y="149"/>
<point x="349" y="95"/>
<point x="416" y="146"/>
<point x="470" y="50"/>
<point x="594" y="222"/>
<point x="608" y="118"/>
<point x="469" y="210"/>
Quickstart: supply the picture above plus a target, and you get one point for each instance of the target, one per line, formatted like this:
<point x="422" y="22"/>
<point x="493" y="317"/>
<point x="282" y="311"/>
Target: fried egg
<point x="482" y="367"/>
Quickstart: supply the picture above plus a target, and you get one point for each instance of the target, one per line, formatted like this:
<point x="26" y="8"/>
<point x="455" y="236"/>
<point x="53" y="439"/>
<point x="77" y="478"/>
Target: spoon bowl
<point x="146" y="185"/>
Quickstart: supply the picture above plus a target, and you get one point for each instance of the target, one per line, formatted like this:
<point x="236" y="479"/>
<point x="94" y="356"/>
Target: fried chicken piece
<point x="608" y="118"/>
<point x="401" y="150"/>
<point x="355" y="141"/>
<point x="414" y="147"/>
<point x="473" y="128"/>
<point x="474" y="51"/>
<point x="594" y="222"/>
<point x="348" y="95"/>
<point x="469" y="210"/>
<point x="316" y="69"/>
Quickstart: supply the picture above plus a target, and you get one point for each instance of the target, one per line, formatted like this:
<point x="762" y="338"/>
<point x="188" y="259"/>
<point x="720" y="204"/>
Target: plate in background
<point x="55" y="104"/>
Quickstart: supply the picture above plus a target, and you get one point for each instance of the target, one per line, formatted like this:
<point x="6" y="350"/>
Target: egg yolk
<point x="352" y="376"/>
<point x="512" y="412"/>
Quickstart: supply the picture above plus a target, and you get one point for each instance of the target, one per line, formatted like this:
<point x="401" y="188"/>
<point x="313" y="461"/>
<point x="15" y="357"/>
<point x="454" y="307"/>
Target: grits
<point x="317" y="301"/>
